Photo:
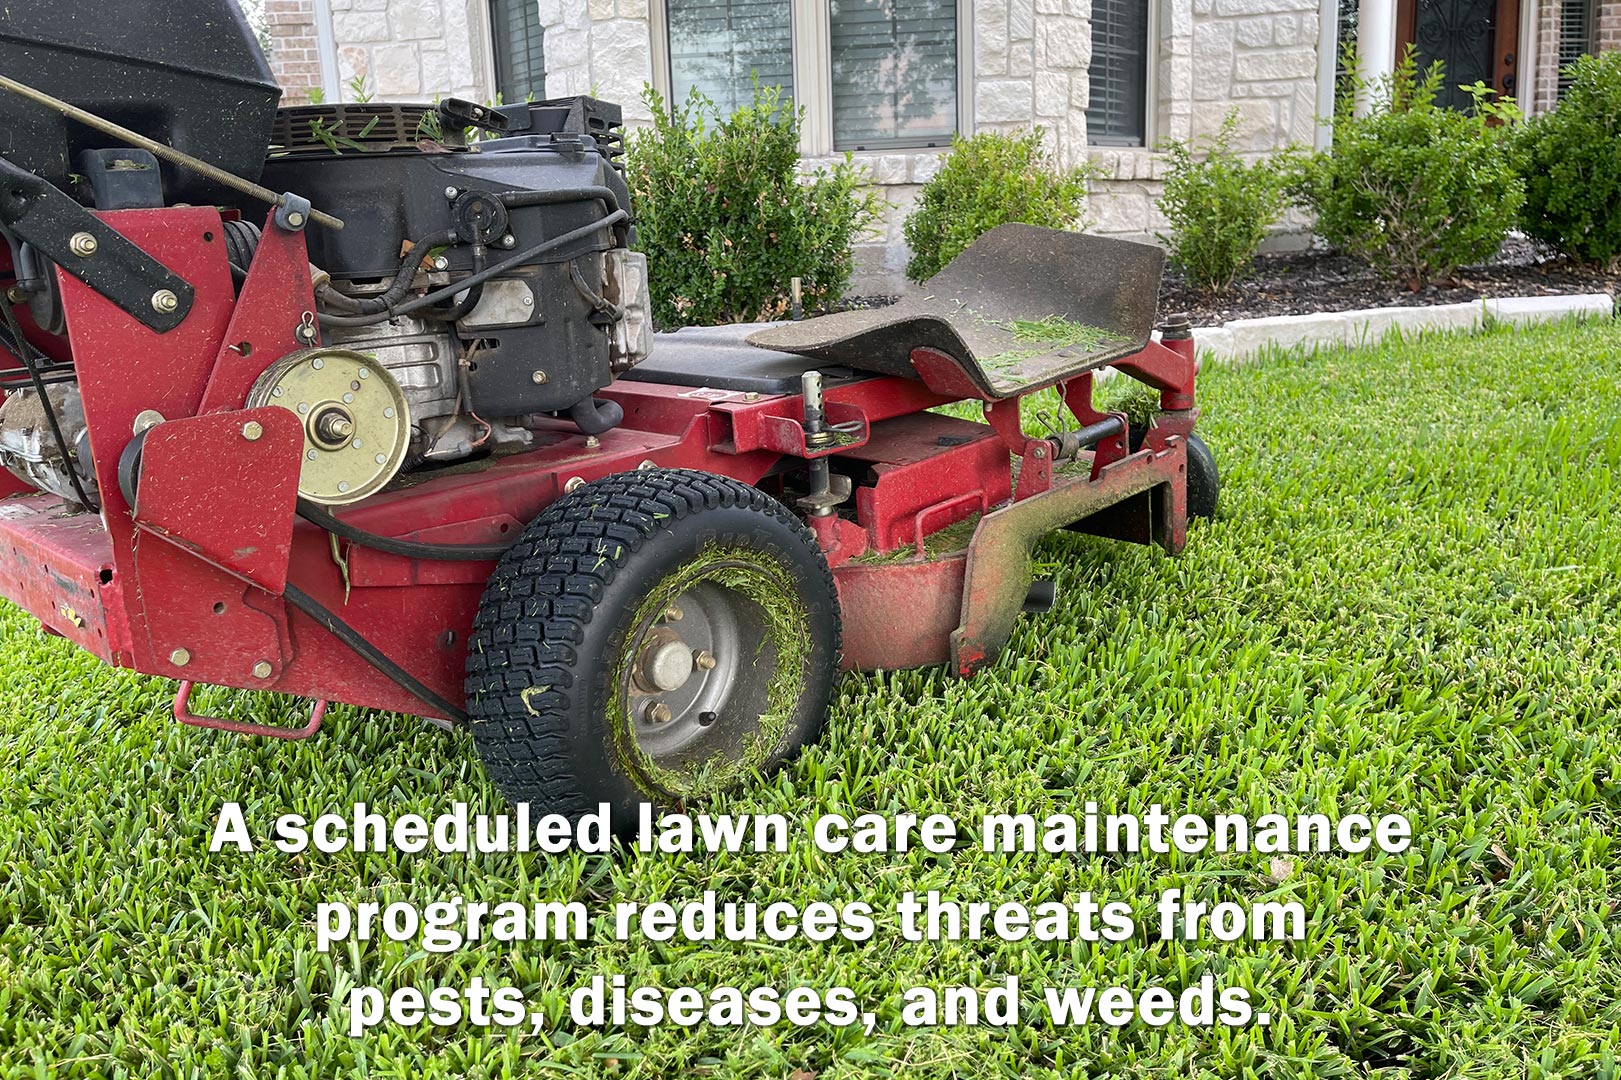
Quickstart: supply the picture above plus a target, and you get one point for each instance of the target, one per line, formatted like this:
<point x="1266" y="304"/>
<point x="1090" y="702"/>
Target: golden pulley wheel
<point x="357" y="426"/>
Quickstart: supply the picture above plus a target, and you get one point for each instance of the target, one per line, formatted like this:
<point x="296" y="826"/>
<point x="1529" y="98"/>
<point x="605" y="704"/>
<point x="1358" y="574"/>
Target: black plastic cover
<point x="185" y="72"/>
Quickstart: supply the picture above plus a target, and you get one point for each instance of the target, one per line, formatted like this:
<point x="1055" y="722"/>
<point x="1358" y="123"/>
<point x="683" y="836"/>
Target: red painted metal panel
<point x="899" y="615"/>
<point x="59" y="567"/>
<point x="125" y="368"/>
<point x="224" y="488"/>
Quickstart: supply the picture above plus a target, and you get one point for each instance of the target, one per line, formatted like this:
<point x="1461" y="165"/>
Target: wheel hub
<point x="667" y="666"/>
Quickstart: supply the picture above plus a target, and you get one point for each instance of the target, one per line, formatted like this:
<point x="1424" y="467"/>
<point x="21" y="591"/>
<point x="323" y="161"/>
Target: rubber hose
<point x="370" y="653"/>
<point x="411" y="549"/>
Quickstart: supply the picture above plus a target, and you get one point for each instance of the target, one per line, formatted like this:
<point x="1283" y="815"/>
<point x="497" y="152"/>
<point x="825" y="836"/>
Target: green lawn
<point x="1409" y="602"/>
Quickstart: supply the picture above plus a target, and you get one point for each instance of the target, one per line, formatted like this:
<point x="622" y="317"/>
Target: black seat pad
<point x="720" y="358"/>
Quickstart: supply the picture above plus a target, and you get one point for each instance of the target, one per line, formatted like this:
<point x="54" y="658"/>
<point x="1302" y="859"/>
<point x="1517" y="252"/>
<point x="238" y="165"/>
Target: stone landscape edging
<point x="1365" y="326"/>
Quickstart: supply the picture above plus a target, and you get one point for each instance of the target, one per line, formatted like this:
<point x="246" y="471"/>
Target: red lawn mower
<point x="411" y="444"/>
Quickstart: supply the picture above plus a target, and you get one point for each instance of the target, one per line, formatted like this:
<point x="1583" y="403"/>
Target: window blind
<point x="517" y="39"/>
<point x="1117" y="113"/>
<point x="1575" y="36"/>
<point x="721" y="46"/>
<point x="894" y="72"/>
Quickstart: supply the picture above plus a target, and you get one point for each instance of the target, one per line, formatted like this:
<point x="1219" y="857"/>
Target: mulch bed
<point x="1311" y="281"/>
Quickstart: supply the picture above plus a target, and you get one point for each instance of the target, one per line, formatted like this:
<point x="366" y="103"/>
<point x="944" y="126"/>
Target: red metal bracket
<point x="1035" y="455"/>
<point x="276" y="306"/>
<point x="183" y="713"/>
<point x="1078" y="399"/>
<point x="1168" y="368"/>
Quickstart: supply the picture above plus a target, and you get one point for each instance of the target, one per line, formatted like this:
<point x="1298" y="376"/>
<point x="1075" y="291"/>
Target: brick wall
<point x="1606" y="37"/>
<point x="295" y="57"/>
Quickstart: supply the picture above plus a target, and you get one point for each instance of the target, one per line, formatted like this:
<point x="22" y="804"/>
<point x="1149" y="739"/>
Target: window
<point x="516" y="40"/>
<point x="1575" y="36"/>
<point x="894" y="72"/>
<point x="1118" y="113"/>
<point x="721" y="47"/>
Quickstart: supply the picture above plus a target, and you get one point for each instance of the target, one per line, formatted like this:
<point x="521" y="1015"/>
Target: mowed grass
<point x="1408" y="603"/>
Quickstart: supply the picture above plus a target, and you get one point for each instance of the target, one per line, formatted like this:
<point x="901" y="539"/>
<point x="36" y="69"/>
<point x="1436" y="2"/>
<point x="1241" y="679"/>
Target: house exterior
<point x="891" y="81"/>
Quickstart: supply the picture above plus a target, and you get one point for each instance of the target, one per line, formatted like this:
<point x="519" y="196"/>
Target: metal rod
<point x="167" y="153"/>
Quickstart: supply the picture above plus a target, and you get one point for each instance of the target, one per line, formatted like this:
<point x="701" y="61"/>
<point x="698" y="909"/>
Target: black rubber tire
<point x="546" y="663"/>
<point x="1204" y="481"/>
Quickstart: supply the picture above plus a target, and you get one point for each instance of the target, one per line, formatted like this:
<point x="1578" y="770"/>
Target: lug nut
<point x="703" y="659"/>
<point x="165" y="301"/>
<point x="657" y="713"/>
<point x="82" y="244"/>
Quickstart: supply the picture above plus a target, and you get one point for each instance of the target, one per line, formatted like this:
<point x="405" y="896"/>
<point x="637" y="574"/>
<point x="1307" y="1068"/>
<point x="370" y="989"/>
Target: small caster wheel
<point x="1204" y="482"/>
<point x="654" y="636"/>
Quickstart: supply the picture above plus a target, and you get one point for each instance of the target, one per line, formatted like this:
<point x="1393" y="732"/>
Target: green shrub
<point x="986" y="181"/>
<point x="1571" y="161"/>
<point x="1413" y="188"/>
<point x="1218" y="208"/>
<point x="727" y="218"/>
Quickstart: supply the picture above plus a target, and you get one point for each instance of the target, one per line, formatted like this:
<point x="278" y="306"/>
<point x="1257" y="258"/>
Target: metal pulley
<point x="357" y="425"/>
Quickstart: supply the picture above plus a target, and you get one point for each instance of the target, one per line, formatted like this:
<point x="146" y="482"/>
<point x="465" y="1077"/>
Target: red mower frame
<point x="191" y="581"/>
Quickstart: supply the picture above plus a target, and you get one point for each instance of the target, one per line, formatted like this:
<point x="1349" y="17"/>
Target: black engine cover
<point x="541" y="342"/>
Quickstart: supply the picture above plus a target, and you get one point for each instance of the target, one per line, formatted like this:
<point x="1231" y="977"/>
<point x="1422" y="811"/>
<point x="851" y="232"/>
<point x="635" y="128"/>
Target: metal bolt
<point x="252" y="430"/>
<point x="82" y="244"/>
<point x="180" y="657"/>
<point x="364" y="373"/>
<point x="703" y="659"/>
<point x="751" y="396"/>
<point x="343" y="485"/>
<point x="451" y="193"/>
<point x="529" y="301"/>
<point x="295" y="219"/>
<point x="165" y="301"/>
<point x="538" y="377"/>
<point x="15" y="295"/>
<point x="592" y="442"/>
<point x="146" y="419"/>
<point x="310" y="454"/>
<point x="441" y="263"/>
<point x="648" y="465"/>
<point x="262" y="669"/>
<point x="509" y="241"/>
<point x="317" y="363"/>
<point x="673" y="614"/>
<point x="573" y="483"/>
<point x="657" y="713"/>
<point x="1040" y="450"/>
<point x="388" y="414"/>
<point x="381" y="459"/>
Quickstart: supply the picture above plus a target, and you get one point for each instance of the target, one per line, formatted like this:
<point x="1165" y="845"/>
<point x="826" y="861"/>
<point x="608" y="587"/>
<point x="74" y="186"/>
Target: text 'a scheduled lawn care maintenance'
<point x="446" y="924"/>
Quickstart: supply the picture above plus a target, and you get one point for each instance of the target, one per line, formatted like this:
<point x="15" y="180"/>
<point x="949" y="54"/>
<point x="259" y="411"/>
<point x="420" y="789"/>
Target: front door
<point x="1477" y="40"/>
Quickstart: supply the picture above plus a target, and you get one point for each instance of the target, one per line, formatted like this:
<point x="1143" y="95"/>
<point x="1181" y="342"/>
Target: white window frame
<point x="811" y="33"/>
<point x="481" y="46"/>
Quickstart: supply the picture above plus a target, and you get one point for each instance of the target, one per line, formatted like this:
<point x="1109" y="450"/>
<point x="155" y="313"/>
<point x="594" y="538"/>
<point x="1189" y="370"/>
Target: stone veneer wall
<point x="408" y="49"/>
<point x="1030" y="61"/>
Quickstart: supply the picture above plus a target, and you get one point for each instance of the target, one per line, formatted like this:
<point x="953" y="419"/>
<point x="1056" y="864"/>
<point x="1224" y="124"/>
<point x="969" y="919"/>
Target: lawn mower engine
<point x="359" y="403"/>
